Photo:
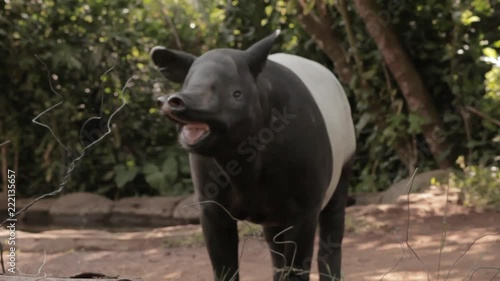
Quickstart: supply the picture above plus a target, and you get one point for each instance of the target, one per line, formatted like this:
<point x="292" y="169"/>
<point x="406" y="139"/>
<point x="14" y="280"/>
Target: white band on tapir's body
<point x="334" y="106"/>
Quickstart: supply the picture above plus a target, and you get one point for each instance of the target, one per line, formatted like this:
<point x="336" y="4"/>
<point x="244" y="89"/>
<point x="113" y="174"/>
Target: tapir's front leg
<point x="221" y="238"/>
<point x="296" y="248"/>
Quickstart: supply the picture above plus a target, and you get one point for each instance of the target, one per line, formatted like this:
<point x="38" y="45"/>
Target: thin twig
<point x="71" y="166"/>
<point x="465" y="116"/>
<point x="171" y="25"/>
<point x="342" y="7"/>
<point x="482" y="115"/>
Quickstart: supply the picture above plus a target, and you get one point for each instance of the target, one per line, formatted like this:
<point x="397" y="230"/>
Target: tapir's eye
<point x="236" y="94"/>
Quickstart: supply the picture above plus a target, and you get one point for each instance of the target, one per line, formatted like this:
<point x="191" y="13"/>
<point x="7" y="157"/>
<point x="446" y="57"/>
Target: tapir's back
<point x="334" y="106"/>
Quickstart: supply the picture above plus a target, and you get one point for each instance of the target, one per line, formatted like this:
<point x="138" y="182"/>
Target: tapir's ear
<point x="258" y="52"/>
<point x="174" y="65"/>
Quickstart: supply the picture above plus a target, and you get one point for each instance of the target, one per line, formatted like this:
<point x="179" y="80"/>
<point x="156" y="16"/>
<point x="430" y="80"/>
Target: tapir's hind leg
<point x="331" y="223"/>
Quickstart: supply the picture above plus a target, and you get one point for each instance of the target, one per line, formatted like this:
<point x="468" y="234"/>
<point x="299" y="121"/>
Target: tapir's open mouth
<point x="192" y="133"/>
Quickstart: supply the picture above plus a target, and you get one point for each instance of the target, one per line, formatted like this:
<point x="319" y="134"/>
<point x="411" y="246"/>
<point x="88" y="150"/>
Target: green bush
<point x="79" y="41"/>
<point x="479" y="186"/>
<point x="453" y="45"/>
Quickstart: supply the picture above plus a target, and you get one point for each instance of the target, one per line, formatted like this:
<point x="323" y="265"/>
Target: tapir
<point x="271" y="140"/>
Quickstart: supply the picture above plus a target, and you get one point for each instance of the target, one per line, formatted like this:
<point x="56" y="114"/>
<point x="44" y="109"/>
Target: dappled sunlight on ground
<point x="375" y="244"/>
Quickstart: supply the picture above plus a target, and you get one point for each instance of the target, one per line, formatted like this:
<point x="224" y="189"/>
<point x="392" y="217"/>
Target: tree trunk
<point x="328" y="40"/>
<point x="416" y="95"/>
<point x="319" y="27"/>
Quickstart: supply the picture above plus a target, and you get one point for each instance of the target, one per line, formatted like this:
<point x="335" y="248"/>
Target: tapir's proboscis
<point x="270" y="140"/>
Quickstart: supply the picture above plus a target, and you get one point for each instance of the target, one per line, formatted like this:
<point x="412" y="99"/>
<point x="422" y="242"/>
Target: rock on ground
<point x="145" y="211"/>
<point x="80" y="208"/>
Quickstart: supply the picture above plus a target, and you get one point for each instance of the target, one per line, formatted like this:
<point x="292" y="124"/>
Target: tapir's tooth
<point x="196" y="126"/>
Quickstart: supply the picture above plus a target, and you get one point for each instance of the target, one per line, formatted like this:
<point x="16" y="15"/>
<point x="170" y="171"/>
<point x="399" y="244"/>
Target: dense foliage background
<point x="91" y="48"/>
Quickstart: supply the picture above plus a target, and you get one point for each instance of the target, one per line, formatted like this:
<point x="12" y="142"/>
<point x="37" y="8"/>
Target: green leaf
<point x="468" y="17"/>
<point x="184" y="165"/>
<point x="124" y="174"/>
<point x="154" y="176"/>
<point x="268" y="10"/>
<point x="416" y="122"/>
<point x="309" y="6"/>
<point x="481" y="5"/>
<point x="169" y="168"/>
<point x="370" y="74"/>
<point x="362" y="122"/>
<point x="150" y="168"/>
<point x="490" y="52"/>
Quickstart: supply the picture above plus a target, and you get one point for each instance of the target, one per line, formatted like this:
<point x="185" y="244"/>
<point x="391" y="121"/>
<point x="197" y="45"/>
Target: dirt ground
<point x="374" y="247"/>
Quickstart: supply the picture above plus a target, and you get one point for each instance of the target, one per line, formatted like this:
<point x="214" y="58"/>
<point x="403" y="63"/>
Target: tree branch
<point x="171" y="25"/>
<point x="482" y="115"/>
<point x="342" y="7"/>
<point x="320" y="29"/>
<point x="409" y="81"/>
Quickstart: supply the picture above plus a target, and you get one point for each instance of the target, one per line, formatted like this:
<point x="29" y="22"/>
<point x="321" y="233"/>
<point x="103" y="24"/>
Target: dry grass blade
<point x="408" y="225"/>
<point x="408" y="187"/>
<point x="102" y="101"/>
<point x="284" y="243"/>
<point x="494" y="276"/>
<point x="485" y="268"/>
<point x="467" y="250"/>
<point x="444" y="232"/>
<point x="400" y="258"/>
<point x="39" y="272"/>
<point x="49" y="75"/>
<point x="4" y="143"/>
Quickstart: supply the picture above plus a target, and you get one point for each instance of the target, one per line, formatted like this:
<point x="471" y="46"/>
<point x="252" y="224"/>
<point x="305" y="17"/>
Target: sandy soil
<point x="374" y="247"/>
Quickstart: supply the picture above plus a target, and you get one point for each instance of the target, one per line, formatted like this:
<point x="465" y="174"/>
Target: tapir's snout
<point x="192" y="127"/>
<point x="169" y="103"/>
